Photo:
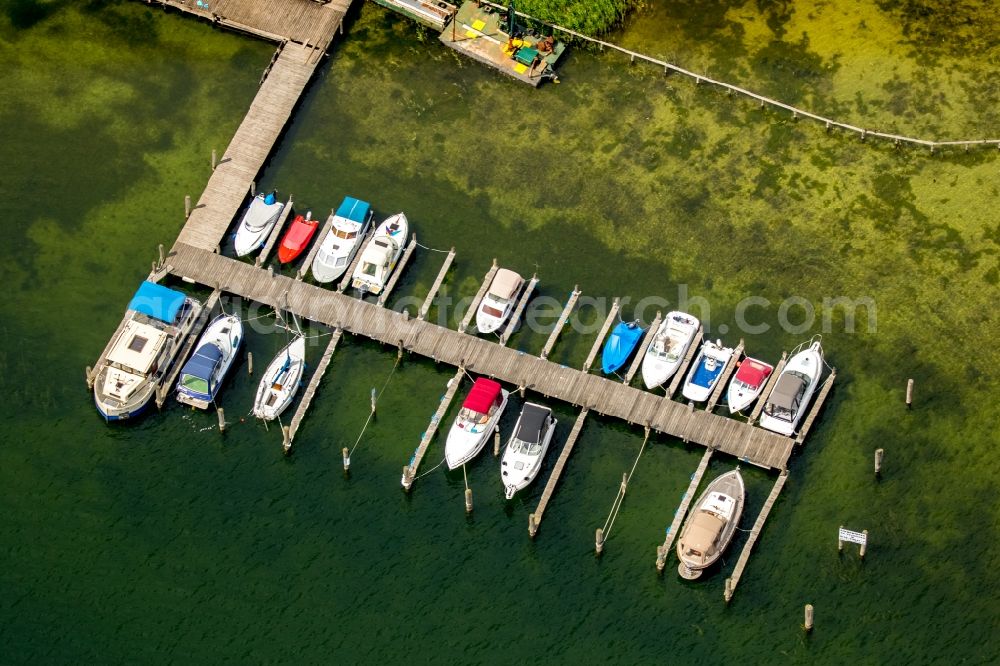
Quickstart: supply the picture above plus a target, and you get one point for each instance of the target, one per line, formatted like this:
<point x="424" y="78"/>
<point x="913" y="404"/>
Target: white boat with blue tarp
<point x="203" y="374"/>
<point x="261" y="216"/>
<point x="348" y="227"/>
<point x="705" y="370"/>
<point x="157" y="322"/>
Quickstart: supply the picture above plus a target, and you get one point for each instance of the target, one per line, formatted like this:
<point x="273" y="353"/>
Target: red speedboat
<point x="297" y="237"/>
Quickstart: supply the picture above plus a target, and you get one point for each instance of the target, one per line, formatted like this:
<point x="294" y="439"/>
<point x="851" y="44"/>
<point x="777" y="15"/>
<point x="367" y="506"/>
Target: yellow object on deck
<point x="520" y="69"/>
<point x="471" y="34"/>
<point x="478" y="24"/>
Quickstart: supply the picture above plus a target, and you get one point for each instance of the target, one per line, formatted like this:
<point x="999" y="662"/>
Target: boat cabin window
<point x="340" y="233"/>
<point x="341" y="261"/>
<point x="476" y="417"/>
<point x="493" y="312"/>
<point x="196" y="384"/>
<point x="693" y="551"/>
<point x="381" y="243"/>
<point x="369" y="268"/>
<point x="137" y="344"/>
<point x="527" y="448"/>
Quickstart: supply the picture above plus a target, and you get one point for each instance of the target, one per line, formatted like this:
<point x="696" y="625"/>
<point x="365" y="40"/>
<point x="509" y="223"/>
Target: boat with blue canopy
<point x="705" y="371"/>
<point x="203" y="374"/>
<point x="620" y="345"/>
<point x="147" y="344"/>
<point x="348" y="227"/>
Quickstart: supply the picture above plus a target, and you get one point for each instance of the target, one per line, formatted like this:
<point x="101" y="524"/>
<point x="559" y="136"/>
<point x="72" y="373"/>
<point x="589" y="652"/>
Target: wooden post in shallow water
<point x="496" y="441"/>
<point x="286" y="440"/>
<point x="160" y="252"/>
<point x="249" y="363"/>
<point x="532" y="525"/>
<point x="878" y="461"/>
<point x="599" y="541"/>
<point x="222" y="418"/>
<point x="728" y="592"/>
<point x="347" y="459"/>
<point x="214" y="159"/>
<point x="864" y="546"/>
<point x="468" y="500"/>
<point x="840" y="542"/>
<point x="187" y="206"/>
<point x="808" y="618"/>
<point x="909" y="393"/>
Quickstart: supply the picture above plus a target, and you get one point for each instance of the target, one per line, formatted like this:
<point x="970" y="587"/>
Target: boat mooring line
<point x="432" y="249"/>
<point x="617" y="504"/>
<point x="430" y="470"/>
<point x="372" y="412"/>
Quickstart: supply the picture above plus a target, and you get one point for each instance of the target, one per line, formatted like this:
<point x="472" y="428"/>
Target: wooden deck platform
<point x="307" y="397"/>
<point x="398" y="270"/>
<point x="483" y="356"/>
<point x="663" y="552"/>
<point x="681" y="373"/>
<point x="755" y="531"/>
<point x="647" y="339"/>
<point x="603" y="333"/>
<point x="426" y="306"/>
<point x="471" y="313"/>
<point x="723" y="381"/>
<point x="272" y="238"/>
<point x="515" y="316"/>
<point x="410" y="470"/>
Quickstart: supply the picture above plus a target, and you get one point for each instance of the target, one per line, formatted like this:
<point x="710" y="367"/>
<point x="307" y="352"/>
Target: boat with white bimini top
<point x="705" y="371"/>
<point x="711" y="525"/>
<point x="499" y="300"/>
<point x="157" y="322"/>
<point x="791" y="394"/>
<point x="281" y="380"/>
<point x="747" y="383"/>
<point x="348" y="227"/>
<point x="479" y="415"/>
<point x="380" y="255"/>
<point x="203" y="374"/>
<point x="669" y="346"/>
<point x="522" y="459"/>
<point x="261" y="216"/>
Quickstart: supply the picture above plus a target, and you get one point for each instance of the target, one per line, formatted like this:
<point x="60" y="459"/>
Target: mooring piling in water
<point x="496" y="441"/>
<point x="250" y="363"/>
<point x="214" y="161"/>
<point x="468" y="500"/>
<point x="909" y="393"/>
<point x="286" y="440"/>
<point x="864" y="545"/>
<point x="345" y="452"/>
<point x="222" y="418"/>
<point x="187" y="206"/>
<point x="599" y="541"/>
<point x="878" y="461"/>
<point x="808" y="624"/>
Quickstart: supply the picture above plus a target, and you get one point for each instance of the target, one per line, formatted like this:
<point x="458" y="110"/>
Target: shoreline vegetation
<point x="593" y="17"/>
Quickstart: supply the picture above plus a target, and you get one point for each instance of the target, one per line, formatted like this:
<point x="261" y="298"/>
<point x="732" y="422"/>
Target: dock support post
<point x="373" y="401"/>
<point x="496" y="441"/>
<point x="909" y="393"/>
<point x="407" y="478"/>
<point x="864" y="546"/>
<point x="249" y="363"/>
<point x="253" y="188"/>
<point x="468" y="500"/>
<point x="878" y="461"/>
<point x="187" y="206"/>
<point x="520" y="389"/>
<point x="840" y="542"/>
<point x="728" y="593"/>
<point x="159" y="264"/>
<point x="532" y="525"/>
<point x="599" y="541"/>
<point x="286" y="440"/>
<point x="222" y="418"/>
<point x="661" y="559"/>
<point x="214" y="160"/>
<point x="347" y="460"/>
<point x="809" y="618"/>
<point x="624" y="483"/>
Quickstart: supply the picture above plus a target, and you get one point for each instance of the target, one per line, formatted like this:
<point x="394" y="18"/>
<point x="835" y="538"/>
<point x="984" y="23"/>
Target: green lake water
<point x="163" y="541"/>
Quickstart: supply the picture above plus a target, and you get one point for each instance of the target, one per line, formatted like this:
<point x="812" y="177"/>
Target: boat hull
<point x="113" y="411"/>
<point x="229" y="344"/>
<point x="392" y="231"/>
<point x="281" y="381"/>
<point x="701" y="380"/>
<point x="297" y="239"/>
<point x="514" y="485"/>
<point x="620" y="346"/>
<point x="729" y="485"/>
<point x="256" y="224"/>
<point x="462" y="446"/>
<point x="675" y="336"/>
<point x="808" y="364"/>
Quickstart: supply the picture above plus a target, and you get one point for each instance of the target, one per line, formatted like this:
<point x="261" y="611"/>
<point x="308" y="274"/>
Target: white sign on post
<point x="853" y="537"/>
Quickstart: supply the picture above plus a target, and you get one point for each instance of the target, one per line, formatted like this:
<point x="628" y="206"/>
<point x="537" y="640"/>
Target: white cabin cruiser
<point x="261" y="216"/>
<point x="348" y="227"/>
<point x="747" y="383"/>
<point x="669" y="346"/>
<point x="711" y="525"/>
<point x="522" y="459"/>
<point x="475" y="422"/>
<point x="498" y="303"/>
<point x="791" y="394"/>
<point x="202" y="375"/>
<point x="380" y="255"/>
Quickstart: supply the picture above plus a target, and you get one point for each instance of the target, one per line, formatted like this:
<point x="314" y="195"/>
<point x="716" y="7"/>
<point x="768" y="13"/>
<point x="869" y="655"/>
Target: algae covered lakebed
<point x="166" y="541"/>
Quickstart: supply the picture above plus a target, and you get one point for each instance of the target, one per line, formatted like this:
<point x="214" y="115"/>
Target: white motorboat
<point x="380" y="255"/>
<point x="475" y="422"/>
<point x="261" y="216"/>
<point x="522" y="459"/>
<point x="747" y="383"/>
<point x="348" y="227"/>
<point x="711" y="525"/>
<point x="499" y="300"/>
<point x="667" y="350"/>
<point x="281" y="380"/>
<point x="202" y="375"/>
<point x="156" y="324"/>
<point x="705" y="371"/>
<point x="791" y="394"/>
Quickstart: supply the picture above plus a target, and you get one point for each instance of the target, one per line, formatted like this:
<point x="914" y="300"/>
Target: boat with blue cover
<point x="261" y="216"/>
<point x="203" y="374"/>
<point x="348" y="227"/>
<point x="705" y="370"/>
<point x="156" y="324"/>
<point x="620" y="345"/>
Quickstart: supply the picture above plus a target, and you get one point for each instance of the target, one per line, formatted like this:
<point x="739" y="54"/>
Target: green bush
<point x="590" y="17"/>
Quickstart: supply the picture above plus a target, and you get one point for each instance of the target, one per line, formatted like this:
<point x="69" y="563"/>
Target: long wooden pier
<point x="272" y="238"/>
<point x="663" y="552"/>
<point x="410" y="471"/>
<point x="535" y="519"/>
<point x="563" y="318"/>
<point x="307" y="397"/>
<point x="515" y="317"/>
<point x="771" y="381"/>
<point x="603" y="333"/>
<point x="426" y="307"/>
<point x="467" y="319"/>
<point x="398" y="271"/>
<point x="647" y="339"/>
<point x="345" y="281"/>
<point x="817" y="406"/>
<point x="723" y="381"/>
<point x="758" y="525"/>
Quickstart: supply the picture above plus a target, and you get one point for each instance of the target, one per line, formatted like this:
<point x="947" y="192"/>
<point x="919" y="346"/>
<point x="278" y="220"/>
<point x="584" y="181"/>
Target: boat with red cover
<point x="297" y="237"/>
<point x="747" y="383"/>
<point x="478" y="417"/>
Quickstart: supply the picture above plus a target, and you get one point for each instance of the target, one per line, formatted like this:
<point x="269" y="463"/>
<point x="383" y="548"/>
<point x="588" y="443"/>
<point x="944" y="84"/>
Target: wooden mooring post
<point x="187" y="206"/>
<point x="250" y="363"/>
<point x="879" y="453"/>
<point x="222" y="418"/>
<point x="909" y="393"/>
<point x="808" y="623"/>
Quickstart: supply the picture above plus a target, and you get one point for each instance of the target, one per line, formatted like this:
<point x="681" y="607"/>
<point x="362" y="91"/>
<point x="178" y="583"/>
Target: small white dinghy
<point x="499" y="300"/>
<point x="281" y="380"/>
<point x="522" y="459"/>
<point x="788" y="400"/>
<point x="747" y="383"/>
<point x="380" y="255"/>
<point x="202" y="375"/>
<point x="711" y="525"/>
<point x="475" y="422"/>
<point x="705" y="370"/>
<point x="261" y="216"/>
<point x="348" y="227"/>
<point x="668" y="348"/>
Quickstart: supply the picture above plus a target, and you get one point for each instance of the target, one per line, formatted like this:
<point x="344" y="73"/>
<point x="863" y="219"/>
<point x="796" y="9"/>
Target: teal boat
<point x="620" y="345"/>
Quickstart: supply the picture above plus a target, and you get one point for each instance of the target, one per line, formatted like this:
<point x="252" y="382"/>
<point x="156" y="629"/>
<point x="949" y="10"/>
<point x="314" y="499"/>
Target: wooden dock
<point x="602" y="334"/>
<point x="307" y="397"/>
<point x="397" y="271"/>
<point x="272" y="238"/>
<point x="467" y="319"/>
<point x="515" y="316"/>
<point x="563" y="318"/>
<point x="817" y="406"/>
<point x="345" y="282"/>
<point x="410" y="471"/>
<point x="647" y="339"/>
<point x="166" y="386"/>
<point x="771" y="381"/>
<point x="683" y="369"/>
<point x="483" y="356"/>
<point x="758" y="525"/>
<point x="314" y="250"/>
<point x="663" y="552"/>
<point x="426" y="307"/>
<point x="723" y="381"/>
<point x="535" y="519"/>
